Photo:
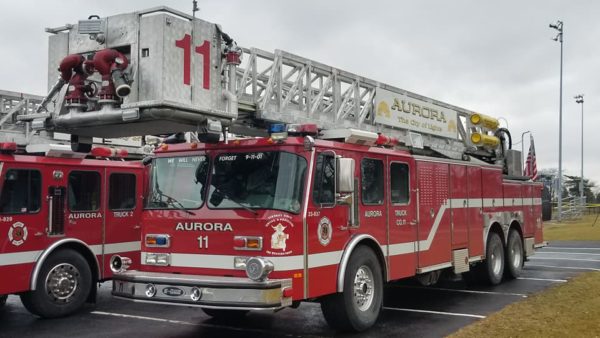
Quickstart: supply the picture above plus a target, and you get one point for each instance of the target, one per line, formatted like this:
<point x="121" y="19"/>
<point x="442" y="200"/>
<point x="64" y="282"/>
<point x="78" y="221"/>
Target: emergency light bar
<point x="303" y="129"/>
<point x="279" y="129"/>
<point x="108" y="152"/>
<point x="8" y="147"/>
<point x="386" y="141"/>
<point x="54" y="150"/>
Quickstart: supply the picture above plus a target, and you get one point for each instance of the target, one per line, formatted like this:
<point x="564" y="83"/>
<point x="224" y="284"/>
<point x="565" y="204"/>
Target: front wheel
<point x="63" y="285"/>
<point x="3" y="300"/>
<point x="358" y="306"/>
<point x="514" y="254"/>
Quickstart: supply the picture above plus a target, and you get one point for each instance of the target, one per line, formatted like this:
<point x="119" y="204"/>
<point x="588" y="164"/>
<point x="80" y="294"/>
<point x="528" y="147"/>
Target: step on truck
<point x="299" y="181"/>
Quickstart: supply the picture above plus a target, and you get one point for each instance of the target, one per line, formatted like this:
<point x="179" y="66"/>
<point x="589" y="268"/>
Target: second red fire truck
<point x="61" y="220"/>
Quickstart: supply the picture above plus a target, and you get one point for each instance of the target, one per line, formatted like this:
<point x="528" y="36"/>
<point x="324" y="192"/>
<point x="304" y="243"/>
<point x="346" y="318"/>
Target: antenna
<point x="194" y="8"/>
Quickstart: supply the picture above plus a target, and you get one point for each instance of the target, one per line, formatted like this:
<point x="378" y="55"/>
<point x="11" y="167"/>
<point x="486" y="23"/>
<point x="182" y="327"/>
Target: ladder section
<point x="13" y="104"/>
<point x="283" y="87"/>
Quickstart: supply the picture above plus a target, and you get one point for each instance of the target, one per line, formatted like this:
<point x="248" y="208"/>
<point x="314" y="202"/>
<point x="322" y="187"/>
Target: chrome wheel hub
<point x="62" y="282"/>
<point x="497" y="260"/>
<point x="517" y="254"/>
<point x="363" y="288"/>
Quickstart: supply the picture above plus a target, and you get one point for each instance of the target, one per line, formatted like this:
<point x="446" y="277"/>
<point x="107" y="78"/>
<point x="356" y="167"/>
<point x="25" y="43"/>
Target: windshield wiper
<point x="235" y="201"/>
<point x="172" y="201"/>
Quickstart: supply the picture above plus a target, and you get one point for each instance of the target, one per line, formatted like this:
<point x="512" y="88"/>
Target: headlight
<point x="258" y="268"/>
<point x="160" y="259"/>
<point x="239" y="262"/>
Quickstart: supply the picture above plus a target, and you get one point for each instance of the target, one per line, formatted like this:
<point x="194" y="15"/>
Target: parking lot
<point x="409" y="310"/>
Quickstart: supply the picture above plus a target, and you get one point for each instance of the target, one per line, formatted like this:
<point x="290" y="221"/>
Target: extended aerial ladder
<point x="292" y="89"/>
<point x="163" y="71"/>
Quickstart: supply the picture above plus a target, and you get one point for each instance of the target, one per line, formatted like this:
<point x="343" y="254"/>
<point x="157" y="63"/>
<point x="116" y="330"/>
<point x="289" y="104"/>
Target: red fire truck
<point x="262" y="224"/>
<point x="61" y="219"/>
<point x="356" y="184"/>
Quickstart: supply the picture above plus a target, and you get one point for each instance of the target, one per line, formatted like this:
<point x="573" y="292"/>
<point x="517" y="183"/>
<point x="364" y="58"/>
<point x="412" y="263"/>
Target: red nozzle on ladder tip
<point x="388" y="141"/>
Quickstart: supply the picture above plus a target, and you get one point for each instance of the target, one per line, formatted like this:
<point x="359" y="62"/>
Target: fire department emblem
<point x="279" y="223"/>
<point x="279" y="237"/>
<point x="325" y="231"/>
<point x="17" y="234"/>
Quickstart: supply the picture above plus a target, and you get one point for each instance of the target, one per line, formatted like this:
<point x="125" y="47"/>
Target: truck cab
<point x="62" y="217"/>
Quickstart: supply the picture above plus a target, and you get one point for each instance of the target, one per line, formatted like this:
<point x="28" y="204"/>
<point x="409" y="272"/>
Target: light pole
<point x="523" y="147"/>
<point x="579" y="99"/>
<point x="559" y="37"/>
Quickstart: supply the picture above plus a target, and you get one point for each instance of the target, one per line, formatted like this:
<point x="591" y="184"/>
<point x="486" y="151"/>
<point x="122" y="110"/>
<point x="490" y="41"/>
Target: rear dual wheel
<point x="515" y="256"/>
<point x="491" y="270"/>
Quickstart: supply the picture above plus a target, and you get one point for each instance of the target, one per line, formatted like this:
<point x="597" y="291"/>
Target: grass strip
<point x="573" y="230"/>
<point x="571" y="309"/>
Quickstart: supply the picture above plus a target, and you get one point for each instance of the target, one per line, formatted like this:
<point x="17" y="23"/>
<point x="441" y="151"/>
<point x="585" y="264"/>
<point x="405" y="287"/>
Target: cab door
<point x="372" y="209"/>
<point x="327" y="226"/>
<point x="84" y="209"/>
<point x="402" y="217"/>
<point x="22" y="221"/>
<point x="122" y="215"/>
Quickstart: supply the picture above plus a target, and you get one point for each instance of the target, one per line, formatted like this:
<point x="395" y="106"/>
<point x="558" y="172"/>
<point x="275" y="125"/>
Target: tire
<point x="492" y="269"/>
<point x="514" y="255"/>
<point x="3" y="300"/>
<point x="225" y="314"/>
<point x="358" y="306"/>
<point x="63" y="285"/>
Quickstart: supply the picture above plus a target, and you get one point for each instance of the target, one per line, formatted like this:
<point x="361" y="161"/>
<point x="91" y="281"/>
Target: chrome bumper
<point x="215" y="292"/>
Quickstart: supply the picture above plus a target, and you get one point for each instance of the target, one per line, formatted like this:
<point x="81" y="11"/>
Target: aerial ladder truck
<point x="302" y="182"/>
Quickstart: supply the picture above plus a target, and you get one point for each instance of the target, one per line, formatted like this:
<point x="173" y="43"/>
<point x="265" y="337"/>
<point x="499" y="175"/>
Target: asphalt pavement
<point x="410" y="310"/>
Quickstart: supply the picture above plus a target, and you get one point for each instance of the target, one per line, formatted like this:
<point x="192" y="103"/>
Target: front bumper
<point x="215" y="292"/>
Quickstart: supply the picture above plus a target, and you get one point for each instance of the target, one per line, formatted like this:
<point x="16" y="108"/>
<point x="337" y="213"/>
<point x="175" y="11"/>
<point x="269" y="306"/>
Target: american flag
<point x="530" y="165"/>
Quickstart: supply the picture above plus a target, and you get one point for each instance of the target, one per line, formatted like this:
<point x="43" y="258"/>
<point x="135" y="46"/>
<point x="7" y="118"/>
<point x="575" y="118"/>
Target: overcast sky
<point x="495" y="58"/>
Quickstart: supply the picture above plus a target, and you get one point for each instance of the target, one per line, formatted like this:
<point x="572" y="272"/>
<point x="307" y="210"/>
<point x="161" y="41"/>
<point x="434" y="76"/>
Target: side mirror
<point x="147" y="160"/>
<point x="345" y="199"/>
<point x="345" y="175"/>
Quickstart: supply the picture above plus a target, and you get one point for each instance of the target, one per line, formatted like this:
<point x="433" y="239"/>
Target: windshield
<point x="261" y="180"/>
<point x="177" y="182"/>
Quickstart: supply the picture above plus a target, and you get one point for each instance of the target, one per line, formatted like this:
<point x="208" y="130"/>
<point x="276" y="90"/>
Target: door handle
<point x="136" y="227"/>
